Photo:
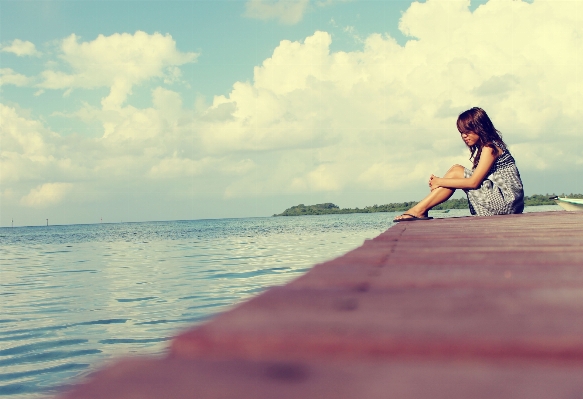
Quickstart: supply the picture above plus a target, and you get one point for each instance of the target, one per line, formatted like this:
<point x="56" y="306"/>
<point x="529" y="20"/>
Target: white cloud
<point x="25" y="152"/>
<point x="321" y="178"/>
<point x="9" y="77"/>
<point x="119" y="61"/>
<point x="22" y="48"/>
<point x="286" y="11"/>
<point x="177" y="167"/>
<point x="46" y="195"/>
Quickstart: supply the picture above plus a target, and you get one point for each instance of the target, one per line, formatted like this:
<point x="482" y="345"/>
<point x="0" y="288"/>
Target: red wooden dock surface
<point x="475" y="307"/>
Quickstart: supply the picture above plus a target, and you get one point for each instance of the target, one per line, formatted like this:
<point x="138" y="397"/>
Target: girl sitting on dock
<point x="493" y="185"/>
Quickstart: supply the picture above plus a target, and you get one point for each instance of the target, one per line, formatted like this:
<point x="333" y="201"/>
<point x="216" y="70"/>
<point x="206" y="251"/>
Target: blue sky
<point x="150" y="110"/>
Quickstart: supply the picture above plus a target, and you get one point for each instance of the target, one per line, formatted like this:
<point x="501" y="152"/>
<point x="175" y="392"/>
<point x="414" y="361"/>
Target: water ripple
<point x="39" y="346"/>
<point x="47" y="356"/>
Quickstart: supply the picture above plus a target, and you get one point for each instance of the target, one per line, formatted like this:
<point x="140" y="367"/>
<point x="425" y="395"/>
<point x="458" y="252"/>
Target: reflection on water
<point x="72" y="297"/>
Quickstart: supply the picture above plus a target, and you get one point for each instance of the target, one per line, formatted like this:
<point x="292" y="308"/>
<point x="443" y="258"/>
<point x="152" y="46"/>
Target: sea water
<point x="74" y="297"/>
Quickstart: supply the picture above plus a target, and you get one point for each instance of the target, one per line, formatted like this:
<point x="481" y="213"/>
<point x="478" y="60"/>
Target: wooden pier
<point x="473" y="307"/>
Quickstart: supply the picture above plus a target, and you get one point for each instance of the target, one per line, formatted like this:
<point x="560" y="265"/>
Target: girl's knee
<point x="456" y="171"/>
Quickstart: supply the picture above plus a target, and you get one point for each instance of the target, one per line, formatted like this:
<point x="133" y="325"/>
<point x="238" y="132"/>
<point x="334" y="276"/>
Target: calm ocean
<point x="73" y="297"/>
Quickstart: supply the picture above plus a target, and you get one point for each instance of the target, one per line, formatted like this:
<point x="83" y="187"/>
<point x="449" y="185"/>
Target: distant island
<point x="460" y="203"/>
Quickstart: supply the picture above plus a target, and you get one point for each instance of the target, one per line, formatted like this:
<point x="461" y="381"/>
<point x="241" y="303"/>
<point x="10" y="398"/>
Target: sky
<point x="135" y="110"/>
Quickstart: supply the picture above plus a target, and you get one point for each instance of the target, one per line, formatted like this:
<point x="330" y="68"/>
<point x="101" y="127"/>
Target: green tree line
<point x="458" y="203"/>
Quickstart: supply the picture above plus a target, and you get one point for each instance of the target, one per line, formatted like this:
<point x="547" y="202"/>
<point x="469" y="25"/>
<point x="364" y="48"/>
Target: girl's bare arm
<point x="487" y="159"/>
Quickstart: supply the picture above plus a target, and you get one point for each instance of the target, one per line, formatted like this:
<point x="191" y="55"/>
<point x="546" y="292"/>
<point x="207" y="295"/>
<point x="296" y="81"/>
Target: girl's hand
<point x="433" y="182"/>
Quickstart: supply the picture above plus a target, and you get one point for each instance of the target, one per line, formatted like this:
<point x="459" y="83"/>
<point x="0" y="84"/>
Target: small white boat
<point x="569" y="204"/>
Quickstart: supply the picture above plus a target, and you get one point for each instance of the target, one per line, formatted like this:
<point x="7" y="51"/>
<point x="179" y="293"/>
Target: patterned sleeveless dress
<point x="501" y="193"/>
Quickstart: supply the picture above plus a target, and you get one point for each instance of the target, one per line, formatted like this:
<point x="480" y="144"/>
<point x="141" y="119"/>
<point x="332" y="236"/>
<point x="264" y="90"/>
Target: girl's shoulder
<point x="497" y="151"/>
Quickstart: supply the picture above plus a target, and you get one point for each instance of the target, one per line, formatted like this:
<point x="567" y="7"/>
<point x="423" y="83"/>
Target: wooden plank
<point x="408" y="378"/>
<point x="342" y="323"/>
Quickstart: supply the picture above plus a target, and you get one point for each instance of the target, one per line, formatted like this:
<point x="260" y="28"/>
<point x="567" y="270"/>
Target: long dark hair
<point x="477" y="121"/>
